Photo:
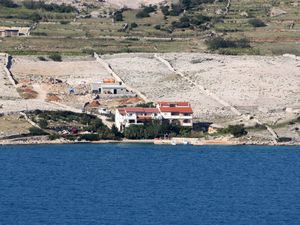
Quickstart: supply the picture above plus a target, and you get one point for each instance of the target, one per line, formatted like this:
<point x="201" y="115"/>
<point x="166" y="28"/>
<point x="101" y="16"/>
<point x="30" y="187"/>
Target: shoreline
<point x="145" y="141"/>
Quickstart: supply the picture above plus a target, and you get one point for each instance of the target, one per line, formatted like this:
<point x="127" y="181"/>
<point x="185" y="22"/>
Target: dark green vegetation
<point x="72" y="126"/>
<point x="235" y="130"/>
<point x="256" y="23"/>
<point x="55" y="57"/>
<point x="156" y="129"/>
<point x="8" y="4"/>
<point x="61" y="28"/>
<point x="145" y="11"/>
<point x="34" y="131"/>
<point x="146" y="105"/>
<point x="29" y="4"/>
<point x="218" y="42"/>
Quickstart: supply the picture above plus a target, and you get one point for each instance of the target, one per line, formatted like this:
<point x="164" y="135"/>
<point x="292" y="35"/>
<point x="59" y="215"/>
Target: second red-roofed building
<point x="177" y="112"/>
<point x="135" y="116"/>
<point x="180" y="113"/>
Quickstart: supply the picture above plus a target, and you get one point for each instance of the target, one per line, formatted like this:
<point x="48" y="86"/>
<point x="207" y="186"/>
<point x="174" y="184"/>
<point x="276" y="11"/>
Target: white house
<point x="180" y="112"/>
<point x="108" y="88"/>
<point x="135" y="116"/>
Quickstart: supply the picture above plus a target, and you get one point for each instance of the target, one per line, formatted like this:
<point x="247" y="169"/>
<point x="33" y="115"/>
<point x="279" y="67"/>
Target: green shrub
<point x="89" y="137"/>
<point x="284" y="139"/>
<point x="146" y="105"/>
<point x="39" y="34"/>
<point x="88" y="51"/>
<point x="219" y="42"/>
<point x="53" y="137"/>
<point x="157" y="27"/>
<point x="42" y="58"/>
<point x="8" y="4"/>
<point x="256" y="23"/>
<point x="165" y="10"/>
<point x="235" y="130"/>
<point x="43" y="123"/>
<point x="37" y="131"/>
<point x="146" y="11"/>
<point x="64" y="22"/>
<point x="55" y="57"/>
<point x="133" y="25"/>
<point x="154" y="129"/>
<point x="62" y="8"/>
<point x="142" y="14"/>
<point x="118" y="16"/>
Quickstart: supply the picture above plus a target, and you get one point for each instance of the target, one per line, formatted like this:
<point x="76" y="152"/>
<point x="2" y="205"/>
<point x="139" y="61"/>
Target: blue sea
<point x="139" y="184"/>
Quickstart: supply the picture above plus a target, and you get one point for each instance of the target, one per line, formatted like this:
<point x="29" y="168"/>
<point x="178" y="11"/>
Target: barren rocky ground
<point x="118" y="3"/>
<point x="265" y="88"/>
<point x="73" y="71"/>
<point x="262" y="86"/>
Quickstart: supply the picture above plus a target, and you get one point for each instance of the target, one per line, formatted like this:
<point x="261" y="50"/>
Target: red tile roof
<point x="176" y="109"/>
<point x="180" y="104"/>
<point x="138" y="110"/>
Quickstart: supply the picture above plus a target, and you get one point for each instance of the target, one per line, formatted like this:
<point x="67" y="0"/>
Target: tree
<point x="256" y="22"/>
<point x="116" y="132"/>
<point x="219" y="42"/>
<point x="55" y="57"/>
<point x="236" y="130"/>
<point x="118" y="16"/>
<point x="133" y="25"/>
<point x="43" y="123"/>
<point x="36" y="131"/>
<point x="8" y="4"/>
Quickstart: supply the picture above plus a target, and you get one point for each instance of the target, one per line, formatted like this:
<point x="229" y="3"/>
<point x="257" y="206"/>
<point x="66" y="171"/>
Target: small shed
<point x="108" y="88"/>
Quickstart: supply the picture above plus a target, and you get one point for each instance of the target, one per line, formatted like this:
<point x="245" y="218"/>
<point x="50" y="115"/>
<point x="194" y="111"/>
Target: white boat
<point x="173" y="143"/>
<point x="185" y="142"/>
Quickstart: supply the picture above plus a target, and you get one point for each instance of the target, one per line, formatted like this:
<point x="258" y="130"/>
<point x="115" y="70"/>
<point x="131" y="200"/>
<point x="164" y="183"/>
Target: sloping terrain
<point x="262" y="86"/>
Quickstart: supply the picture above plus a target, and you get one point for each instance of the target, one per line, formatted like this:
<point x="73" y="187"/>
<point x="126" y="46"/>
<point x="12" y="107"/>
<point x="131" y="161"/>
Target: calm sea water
<point x="149" y="184"/>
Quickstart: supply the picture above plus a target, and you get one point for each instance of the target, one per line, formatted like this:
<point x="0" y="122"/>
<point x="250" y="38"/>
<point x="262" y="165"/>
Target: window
<point x="186" y="121"/>
<point x="174" y="114"/>
<point x="186" y="114"/>
<point x="131" y="121"/>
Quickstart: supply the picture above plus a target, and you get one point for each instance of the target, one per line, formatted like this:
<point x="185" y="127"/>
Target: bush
<point x="53" y="137"/>
<point x="88" y="51"/>
<point x="219" y="42"/>
<point x="284" y="139"/>
<point x="142" y="14"/>
<point x="146" y="105"/>
<point x="153" y="129"/>
<point x="118" y="16"/>
<point x="157" y="27"/>
<point x="42" y="58"/>
<point x="43" y="123"/>
<point x="146" y="11"/>
<point x="55" y="57"/>
<point x="37" y="131"/>
<point x="133" y="25"/>
<point x="165" y="10"/>
<point x="39" y="33"/>
<point x="63" y="8"/>
<point x="235" y="130"/>
<point x="256" y="23"/>
<point x="64" y="22"/>
<point x="89" y="137"/>
<point x="8" y="4"/>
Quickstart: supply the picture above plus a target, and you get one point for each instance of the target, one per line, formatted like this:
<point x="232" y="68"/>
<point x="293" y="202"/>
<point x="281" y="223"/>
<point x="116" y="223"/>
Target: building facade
<point x="180" y="113"/>
<point x="135" y="116"/>
<point x="177" y="112"/>
<point x="108" y="88"/>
